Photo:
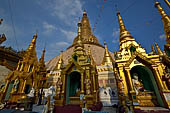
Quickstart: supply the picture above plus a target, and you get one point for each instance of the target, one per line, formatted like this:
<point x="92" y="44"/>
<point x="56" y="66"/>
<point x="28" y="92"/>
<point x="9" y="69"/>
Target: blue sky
<point x="56" y="22"/>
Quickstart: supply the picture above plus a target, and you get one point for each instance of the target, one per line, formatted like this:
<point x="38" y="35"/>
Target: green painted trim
<point x="160" y="101"/>
<point x="67" y="89"/>
<point x="10" y="86"/>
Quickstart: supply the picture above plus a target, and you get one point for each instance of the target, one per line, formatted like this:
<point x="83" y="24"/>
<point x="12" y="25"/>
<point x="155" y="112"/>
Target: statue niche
<point x="138" y="85"/>
<point x="143" y="82"/>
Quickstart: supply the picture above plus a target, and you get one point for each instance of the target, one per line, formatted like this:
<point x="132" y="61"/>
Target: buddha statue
<point x="138" y="86"/>
<point x="31" y="93"/>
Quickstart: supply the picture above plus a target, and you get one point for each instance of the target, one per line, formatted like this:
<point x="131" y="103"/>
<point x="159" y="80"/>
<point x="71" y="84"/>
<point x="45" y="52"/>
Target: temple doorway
<point x="10" y="86"/>
<point x="73" y="86"/>
<point x="145" y="84"/>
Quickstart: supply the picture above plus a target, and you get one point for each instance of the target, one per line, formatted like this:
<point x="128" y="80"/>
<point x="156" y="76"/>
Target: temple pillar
<point x="63" y="84"/>
<point x="127" y="69"/>
<point x="165" y="94"/>
<point x="122" y="74"/>
<point x="157" y="77"/>
<point x="2" y="95"/>
<point x="94" y="82"/>
<point x="82" y="82"/>
<point x="23" y="86"/>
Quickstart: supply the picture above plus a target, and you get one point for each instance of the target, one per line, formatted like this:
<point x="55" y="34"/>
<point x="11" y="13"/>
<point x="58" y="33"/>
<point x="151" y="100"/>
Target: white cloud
<point x="2" y="12"/>
<point x="62" y="44"/>
<point x="48" y="28"/>
<point x="6" y="29"/>
<point x="162" y="37"/>
<point x="70" y="35"/>
<point x="115" y="35"/>
<point x="67" y="11"/>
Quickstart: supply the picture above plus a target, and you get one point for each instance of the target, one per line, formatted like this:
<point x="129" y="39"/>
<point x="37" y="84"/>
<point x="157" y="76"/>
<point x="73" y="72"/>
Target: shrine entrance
<point x="150" y="89"/>
<point x="73" y="88"/>
<point x="10" y="86"/>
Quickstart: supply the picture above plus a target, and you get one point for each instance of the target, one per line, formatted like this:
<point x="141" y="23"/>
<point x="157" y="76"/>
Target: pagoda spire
<point x="79" y="52"/>
<point x="107" y="60"/>
<point x="158" y="49"/>
<point x="42" y="57"/>
<point x="60" y="62"/>
<point x="41" y="62"/>
<point x="31" y="50"/>
<point x="86" y="32"/>
<point x="153" y="50"/>
<point x="86" y="28"/>
<point x="90" y="58"/>
<point x="79" y="42"/>
<point x="166" y="21"/>
<point x="124" y="33"/>
<point x="32" y="45"/>
<point x="167" y="2"/>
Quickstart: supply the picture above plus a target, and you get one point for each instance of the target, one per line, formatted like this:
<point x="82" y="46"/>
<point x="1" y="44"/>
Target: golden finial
<point x="41" y="62"/>
<point x="79" y="32"/>
<point x="33" y="43"/>
<point x="123" y="32"/>
<point x="106" y="49"/>
<point x="122" y="26"/>
<point x="107" y="58"/>
<point x="153" y="50"/>
<point x="84" y="13"/>
<point x="42" y="56"/>
<point x="60" y="62"/>
<point x="166" y="21"/>
<point x="61" y="56"/>
<point x="167" y="2"/>
<point x="161" y="11"/>
<point x="158" y="49"/>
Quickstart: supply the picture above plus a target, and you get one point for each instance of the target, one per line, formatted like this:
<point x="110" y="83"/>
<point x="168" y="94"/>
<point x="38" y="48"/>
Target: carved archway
<point x="146" y="78"/>
<point x="73" y="85"/>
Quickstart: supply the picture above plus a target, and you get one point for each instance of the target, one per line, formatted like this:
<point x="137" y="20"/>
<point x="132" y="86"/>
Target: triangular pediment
<point x="140" y="59"/>
<point x="72" y="64"/>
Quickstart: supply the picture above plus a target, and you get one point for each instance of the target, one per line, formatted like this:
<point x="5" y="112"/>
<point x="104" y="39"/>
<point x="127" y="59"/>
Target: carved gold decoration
<point x="126" y="59"/>
<point x="80" y="63"/>
<point x="24" y="75"/>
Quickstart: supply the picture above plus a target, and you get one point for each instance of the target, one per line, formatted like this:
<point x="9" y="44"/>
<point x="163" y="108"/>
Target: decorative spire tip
<point x="105" y="43"/>
<point x="156" y="4"/>
<point x="84" y="13"/>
